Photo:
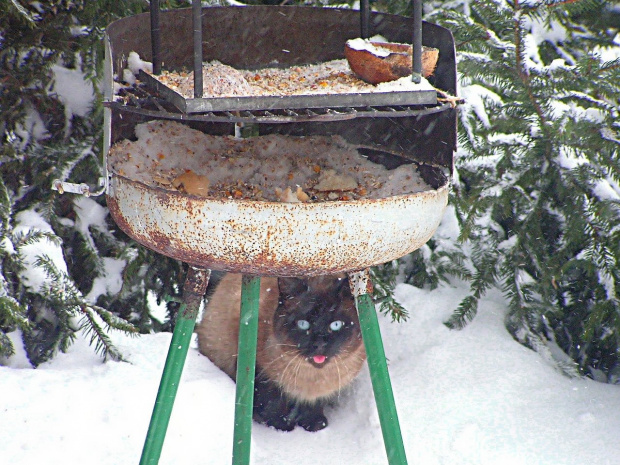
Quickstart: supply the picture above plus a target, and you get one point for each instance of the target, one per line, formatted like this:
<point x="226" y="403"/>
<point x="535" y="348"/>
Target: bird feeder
<point x="270" y="238"/>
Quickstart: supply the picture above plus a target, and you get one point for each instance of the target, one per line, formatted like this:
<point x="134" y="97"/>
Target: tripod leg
<point x="193" y="291"/>
<point x="361" y="287"/>
<point x="246" y="366"/>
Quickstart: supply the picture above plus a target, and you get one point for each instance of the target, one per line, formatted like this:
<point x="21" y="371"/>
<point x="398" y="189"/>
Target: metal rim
<point x="259" y="237"/>
<point x="136" y="105"/>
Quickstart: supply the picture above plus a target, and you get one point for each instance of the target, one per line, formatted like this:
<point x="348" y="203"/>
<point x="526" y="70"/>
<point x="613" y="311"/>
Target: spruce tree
<point x="59" y="255"/>
<point x="537" y="183"/>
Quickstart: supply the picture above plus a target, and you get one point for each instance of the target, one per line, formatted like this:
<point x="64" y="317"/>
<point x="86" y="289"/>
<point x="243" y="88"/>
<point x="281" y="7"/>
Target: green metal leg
<point x="194" y="289"/>
<point x="246" y="361"/>
<point x="379" y="376"/>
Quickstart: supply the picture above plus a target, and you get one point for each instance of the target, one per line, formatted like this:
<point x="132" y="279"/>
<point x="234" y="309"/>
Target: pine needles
<point x="539" y="181"/>
<point x="55" y="251"/>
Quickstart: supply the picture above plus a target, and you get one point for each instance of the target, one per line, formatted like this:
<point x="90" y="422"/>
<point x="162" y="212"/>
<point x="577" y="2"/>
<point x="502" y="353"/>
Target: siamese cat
<point x="309" y="345"/>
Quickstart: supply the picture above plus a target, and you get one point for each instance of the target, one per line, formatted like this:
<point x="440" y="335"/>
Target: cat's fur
<point x="293" y="383"/>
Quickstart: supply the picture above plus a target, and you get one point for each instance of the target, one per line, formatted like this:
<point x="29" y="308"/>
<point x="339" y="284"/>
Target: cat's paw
<point x="278" y="418"/>
<point x="313" y="423"/>
<point x="281" y="424"/>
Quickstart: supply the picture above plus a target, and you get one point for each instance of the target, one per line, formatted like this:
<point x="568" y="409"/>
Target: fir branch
<point x="34" y="236"/>
<point x="22" y="12"/>
<point x="524" y="75"/>
<point x="556" y="3"/>
<point x="60" y="284"/>
<point x="70" y="302"/>
<point x="538" y="198"/>
<point x="384" y="281"/>
<point x="12" y="316"/>
<point x="103" y="344"/>
<point x="114" y="322"/>
<point x="464" y="313"/>
<point x="6" y="345"/>
<point x="574" y="7"/>
<point x="5" y="208"/>
<point x="69" y="149"/>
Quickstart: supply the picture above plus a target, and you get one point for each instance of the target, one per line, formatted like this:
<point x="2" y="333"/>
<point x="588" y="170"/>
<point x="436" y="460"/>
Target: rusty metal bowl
<point x="271" y="238"/>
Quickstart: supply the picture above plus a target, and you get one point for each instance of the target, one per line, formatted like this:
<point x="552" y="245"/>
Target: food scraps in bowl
<point x="275" y="167"/>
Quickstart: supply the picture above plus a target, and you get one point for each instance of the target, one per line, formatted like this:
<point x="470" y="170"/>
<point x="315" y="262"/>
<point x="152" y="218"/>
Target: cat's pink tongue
<point x="319" y="358"/>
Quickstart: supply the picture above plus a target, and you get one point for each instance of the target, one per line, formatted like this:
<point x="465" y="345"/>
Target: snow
<point x="607" y="189"/>
<point x="367" y="45"/>
<point x="259" y="168"/>
<point x="89" y="214"/>
<point x="449" y="228"/>
<point x="33" y="276"/>
<point x="476" y="99"/>
<point x="474" y="396"/>
<point x="111" y="280"/>
<point x="30" y="128"/>
<point x="134" y="65"/>
<point x="19" y="359"/>
<point x="543" y="29"/>
<point x="73" y="90"/>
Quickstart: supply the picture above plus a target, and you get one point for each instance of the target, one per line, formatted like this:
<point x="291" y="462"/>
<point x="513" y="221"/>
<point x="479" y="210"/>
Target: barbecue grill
<point x="274" y="238"/>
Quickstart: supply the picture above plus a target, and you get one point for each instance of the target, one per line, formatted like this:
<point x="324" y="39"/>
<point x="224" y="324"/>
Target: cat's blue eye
<point x="303" y="324"/>
<point x="336" y="325"/>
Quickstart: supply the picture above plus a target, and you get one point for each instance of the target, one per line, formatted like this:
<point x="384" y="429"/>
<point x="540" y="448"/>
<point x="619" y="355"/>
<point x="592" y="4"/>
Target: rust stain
<point x="119" y="219"/>
<point x="305" y="240"/>
<point x="360" y="282"/>
<point x="197" y="280"/>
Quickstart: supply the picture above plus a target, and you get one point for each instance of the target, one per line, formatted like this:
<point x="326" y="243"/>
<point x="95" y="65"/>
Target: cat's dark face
<point x="317" y="316"/>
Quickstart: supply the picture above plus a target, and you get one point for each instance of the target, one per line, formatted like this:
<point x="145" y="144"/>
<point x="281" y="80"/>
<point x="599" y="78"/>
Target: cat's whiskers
<point x="352" y="358"/>
<point x="358" y="357"/>
<point x="339" y="378"/>
<point x="297" y="371"/>
<point x="286" y="368"/>
<point x="279" y="358"/>
<point x="283" y="345"/>
<point x="270" y="343"/>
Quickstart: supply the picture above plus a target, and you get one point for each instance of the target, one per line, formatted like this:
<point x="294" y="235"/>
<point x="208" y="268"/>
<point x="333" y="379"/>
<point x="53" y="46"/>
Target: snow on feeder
<point x="360" y="172"/>
<point x="276" y="238"/>
<point x="225" y="228"/>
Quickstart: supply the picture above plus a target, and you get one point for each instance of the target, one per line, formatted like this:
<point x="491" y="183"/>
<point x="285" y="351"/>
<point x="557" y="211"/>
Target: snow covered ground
<point x="464" y="397"/>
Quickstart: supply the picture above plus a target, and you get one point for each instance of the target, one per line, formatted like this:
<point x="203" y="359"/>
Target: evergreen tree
<point x="538" y="172"/>
<point x="64" y="268"/>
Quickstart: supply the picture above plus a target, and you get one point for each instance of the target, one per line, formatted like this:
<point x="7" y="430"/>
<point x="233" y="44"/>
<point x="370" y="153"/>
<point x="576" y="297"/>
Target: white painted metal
<point x="272" y="238"/>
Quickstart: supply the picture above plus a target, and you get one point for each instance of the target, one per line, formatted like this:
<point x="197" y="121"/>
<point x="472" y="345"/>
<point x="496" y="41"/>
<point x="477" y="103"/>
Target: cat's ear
<point x="292" y="286"/>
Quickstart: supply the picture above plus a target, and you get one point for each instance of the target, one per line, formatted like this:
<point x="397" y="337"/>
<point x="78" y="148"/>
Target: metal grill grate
<point x="143" y="100"/>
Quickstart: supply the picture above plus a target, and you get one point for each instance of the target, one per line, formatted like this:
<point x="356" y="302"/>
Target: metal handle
<point x="82" y="189"/>
<point x="365" y="19"/>
<point x="416" y="74"/>
<point x="197" y="37"/>
<point x="155" y="37"/>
